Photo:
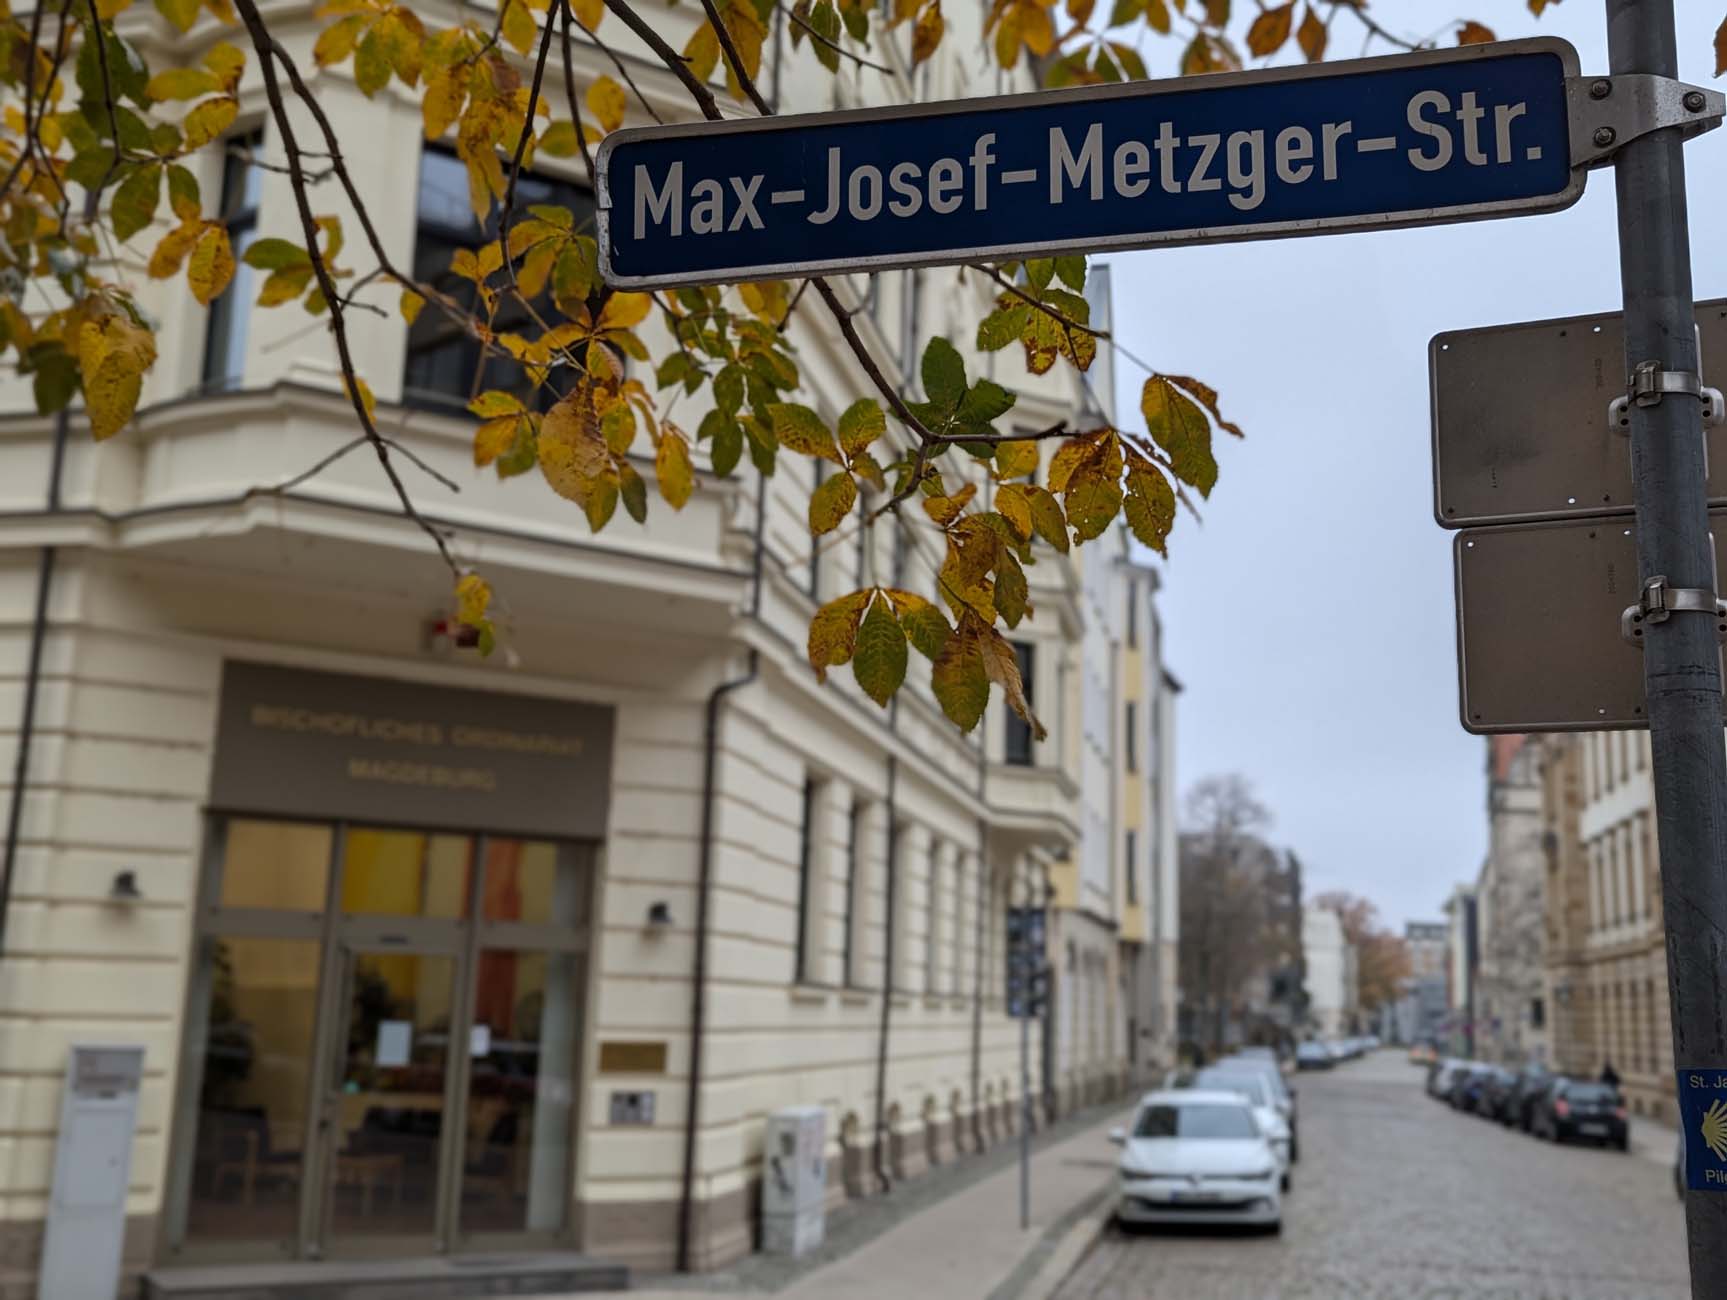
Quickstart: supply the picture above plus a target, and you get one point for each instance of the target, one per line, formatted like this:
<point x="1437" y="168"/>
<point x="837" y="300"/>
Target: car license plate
<point x="1592" y="1130"/>
<point x="1191" y="1197"/>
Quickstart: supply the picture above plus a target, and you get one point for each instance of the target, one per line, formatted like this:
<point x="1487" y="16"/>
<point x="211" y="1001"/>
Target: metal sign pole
<point x="1682" y="653"/>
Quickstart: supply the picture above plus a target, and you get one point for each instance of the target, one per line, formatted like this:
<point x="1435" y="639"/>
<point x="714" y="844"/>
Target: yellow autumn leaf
<point x="171" y="252"/>
<point x="365" y="391"/>
<point x="673" y="469"/>
<point x="607" y="101"/>
<point x="1473" y="33"/>
<point x="209" y="119"/>
<point x="212" y="263"/>
<point x="411" y="305"/>
<point x="113" y="355"/>
<point x="1270" y="30"/>
<point x="927" y="33"/>
<point x="624" y="311"/>
<point x="227" y="62"/>
<point x="473" y="595"/>
<point x="588" y="12"/>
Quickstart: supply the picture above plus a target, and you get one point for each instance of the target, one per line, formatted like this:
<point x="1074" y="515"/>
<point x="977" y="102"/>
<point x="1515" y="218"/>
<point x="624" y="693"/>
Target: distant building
<point x="1606" y="959"/>
<point x="1510" y="1006"/>
<point x="1418" y="1015"/>
<point x="1331" y="973"/>
<point x="1458" y="1027"/>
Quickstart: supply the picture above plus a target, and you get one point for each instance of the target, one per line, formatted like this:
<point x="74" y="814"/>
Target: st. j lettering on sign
<point x="1444" y="135"/>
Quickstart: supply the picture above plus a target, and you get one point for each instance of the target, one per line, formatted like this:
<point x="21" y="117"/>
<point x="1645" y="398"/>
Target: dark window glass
<point x="1018" y="729"/>
<point x="800" y="970"/>
<point x="225" y="330"/>
<point x="1588" y="1092"/>
<point x="1197" y="1121"/>
<point x="1132" y="615"/>
<point x="851" y="887"/>
<point x="1132" y="850"/>
<point x="442" y="357"/>
<point x="1132" y="727"/>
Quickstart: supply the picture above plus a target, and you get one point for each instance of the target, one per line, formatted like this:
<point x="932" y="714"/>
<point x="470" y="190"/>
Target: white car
<point x="1252" y="1087"/>
<point x="1194" y="1156"/>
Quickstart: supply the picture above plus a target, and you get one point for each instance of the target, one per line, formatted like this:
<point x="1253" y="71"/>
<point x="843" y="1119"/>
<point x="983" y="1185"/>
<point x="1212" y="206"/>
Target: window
<point x="443" y="359"/>
<point x="1132" y="747"/>
<point x="1537" y="1013"/>
<point x="1132" y="616"/>
<point x="1018" y="729"/>
<point x="815" y="574"/>
<point x="800" y="962"/>
<point x="225" y="330"/>
<point x="1132" y="852"/>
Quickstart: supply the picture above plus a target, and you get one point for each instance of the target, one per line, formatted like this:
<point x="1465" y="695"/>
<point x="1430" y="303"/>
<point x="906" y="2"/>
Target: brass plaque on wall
<point x="632" y="1058"/>
<point x="297" y="743"/>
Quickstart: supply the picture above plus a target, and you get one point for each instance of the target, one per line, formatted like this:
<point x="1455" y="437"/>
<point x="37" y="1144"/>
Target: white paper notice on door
<point x="395" y="1041"/>
<point x="480" y="1040"/>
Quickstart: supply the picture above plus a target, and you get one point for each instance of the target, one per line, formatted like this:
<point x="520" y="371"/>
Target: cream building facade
<point x="1606" y="970"/>
<point x="436" y="955"/>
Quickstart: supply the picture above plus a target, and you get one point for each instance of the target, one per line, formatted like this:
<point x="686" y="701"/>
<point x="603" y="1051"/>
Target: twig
<point x="1055" y="430"/>
<point x="508" y="215"/>
<point x="671" y="58"/>
<point x="107" y="96"/>
<point x="736" y="59"/>
<point x="575" y="106"/>
<point x="618" y="63"/>
<point x="835" y="46"/>
<point x="267" y="54"/>
<point x="29" y="97"/>
<point x="792" y="306"/>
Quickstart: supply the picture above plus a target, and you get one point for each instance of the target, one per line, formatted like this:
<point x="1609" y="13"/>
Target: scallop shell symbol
<point x="1714" y="1128"/>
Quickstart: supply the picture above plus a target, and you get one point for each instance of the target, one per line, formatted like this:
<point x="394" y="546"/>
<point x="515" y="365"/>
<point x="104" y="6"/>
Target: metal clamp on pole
<point x="1658" y="602"/>
<point x="1649" y="383"/>
<point x="1606" y="112"/>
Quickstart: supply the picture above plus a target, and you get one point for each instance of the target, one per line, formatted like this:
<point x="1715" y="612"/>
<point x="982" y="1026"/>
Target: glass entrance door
<point x="384" y="1112"/>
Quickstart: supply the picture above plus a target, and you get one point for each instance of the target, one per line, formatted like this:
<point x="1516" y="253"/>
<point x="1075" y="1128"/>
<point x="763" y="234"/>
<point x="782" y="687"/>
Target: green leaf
<point x="54" y="377"/>
<point x="943" y="373"/>
<point x="984" y="401"/>
<point x="826" y="21"/>
<point x="182" y="83"/>
<point x="1177" y="425"/>
<point x="183" y="195"/>
<point x="1093" y="494"/>
<point x="271" y="254"/>
<point x="673" y="370"/>
<point x="927" y="629"/>
<point x="372" y="71"/>
<point x="961" y="686"/>
<point x="729" y="388"/>
<point x="182" y="13"/>
<point x="726" y="447"/>
<point x="1039" y="271"/>
<point x="1047" y="519"/>
<point x="135" y="201"/>
<point x="831" y="502"/>
<point x="861" y="424"/>
<point x="1002" y="326"/>
<point x="1149" y="507"/>
<point x="89" y="167"/>
<point x="801" y="430"/>
<point x="634" y="492"/>
<point x="880" y="660"/>
<point x="834" y="631"/>
<point x="1010" y="591"/>
<point x="1071" y="271"/>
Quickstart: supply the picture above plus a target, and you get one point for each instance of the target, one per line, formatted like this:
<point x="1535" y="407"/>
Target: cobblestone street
<point x="1398" y="1197"/>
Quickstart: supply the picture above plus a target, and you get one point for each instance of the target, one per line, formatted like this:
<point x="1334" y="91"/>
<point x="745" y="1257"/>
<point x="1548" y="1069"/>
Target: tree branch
<point x="575" y="105"/>
<point x="508" y="215"/>
<point x="730" y="48"/>
<point x="671" y="58"/>
<point x="617" y="62"/>
<point x="267" y="53"/>
<point x="835" y="46"/>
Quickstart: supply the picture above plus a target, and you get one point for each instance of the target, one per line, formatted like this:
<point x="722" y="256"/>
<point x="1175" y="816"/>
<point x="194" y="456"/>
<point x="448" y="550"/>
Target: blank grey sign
<point x="1520" y="424"/>
<point x="1538" y="641"/>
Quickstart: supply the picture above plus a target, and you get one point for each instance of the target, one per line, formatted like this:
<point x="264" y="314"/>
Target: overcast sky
<point x="1345" y="716"/>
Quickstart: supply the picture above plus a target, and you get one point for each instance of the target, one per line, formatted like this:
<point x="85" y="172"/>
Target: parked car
<point x="1313" y="1056"/>
<point x="1525" y="1092"/>
<point x="1466" y="1086"/>
<point x="1493" y="1099"/>
<point x="1423" y="1054"/>
<point x="1583" y="1108"/>
<point x="1197" y="1157"/>
<point x="1283" y="1096"/>
<point x="1252" y="1086"/>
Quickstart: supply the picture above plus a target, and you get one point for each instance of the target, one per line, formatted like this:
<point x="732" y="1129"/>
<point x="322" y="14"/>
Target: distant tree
<point x="1382" y="957"/>
<point x="1225" y="904"/>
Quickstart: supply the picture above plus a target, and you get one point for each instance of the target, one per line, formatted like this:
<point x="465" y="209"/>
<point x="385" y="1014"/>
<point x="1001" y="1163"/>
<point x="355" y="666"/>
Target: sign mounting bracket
<point x="1658" y="602"/>
<point x="1609" y="112"/>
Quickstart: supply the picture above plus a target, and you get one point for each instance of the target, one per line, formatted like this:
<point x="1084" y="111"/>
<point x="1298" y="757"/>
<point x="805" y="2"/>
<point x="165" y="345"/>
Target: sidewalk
<point x="959" y="1239"/>
<point x="1653" y="1140"/>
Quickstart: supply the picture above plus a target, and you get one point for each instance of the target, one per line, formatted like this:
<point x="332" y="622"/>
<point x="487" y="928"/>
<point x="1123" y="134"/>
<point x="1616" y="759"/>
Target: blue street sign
<point x="1441" y="135"/>
<point x="1703" y="1128"/>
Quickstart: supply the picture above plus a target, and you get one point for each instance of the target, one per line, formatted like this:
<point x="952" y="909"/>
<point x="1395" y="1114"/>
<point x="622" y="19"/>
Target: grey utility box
<point x="92" y="1168"/>
<point x="794" y="1180"/>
